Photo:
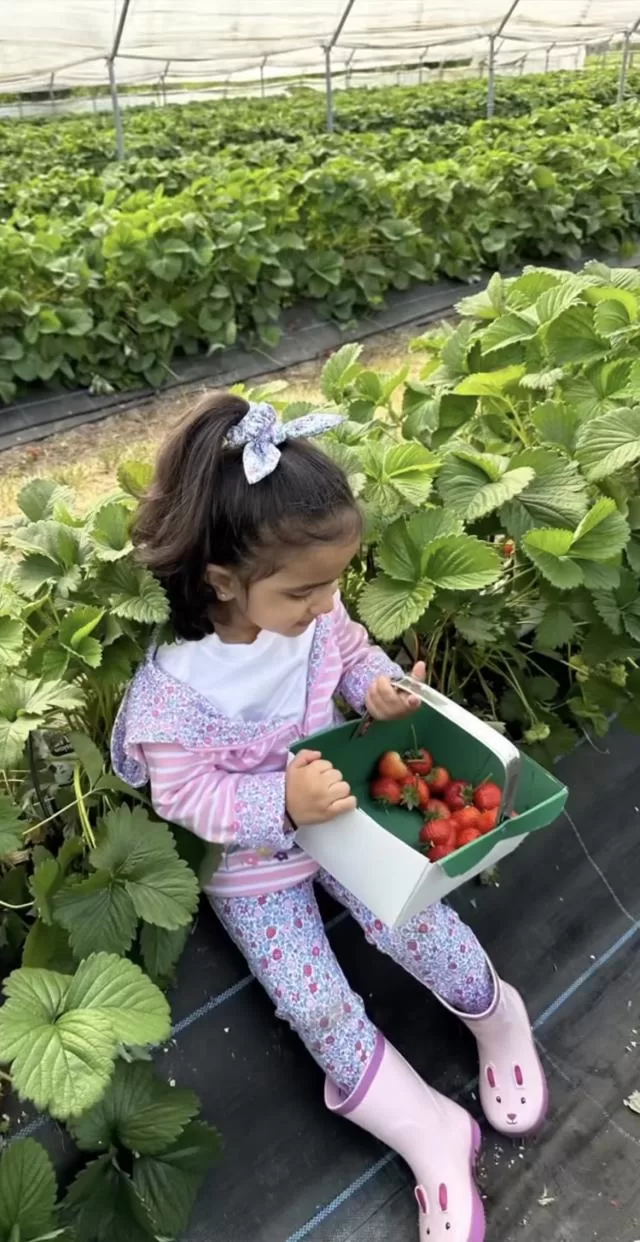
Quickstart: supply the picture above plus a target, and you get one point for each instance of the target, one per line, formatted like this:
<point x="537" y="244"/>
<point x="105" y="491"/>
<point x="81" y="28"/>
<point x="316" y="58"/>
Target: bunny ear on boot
<point x="438" y="1139"/>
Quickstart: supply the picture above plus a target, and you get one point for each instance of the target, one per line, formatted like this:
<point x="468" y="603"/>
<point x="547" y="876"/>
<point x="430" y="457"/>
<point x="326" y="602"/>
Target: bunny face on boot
<point x="508" y="1094"/>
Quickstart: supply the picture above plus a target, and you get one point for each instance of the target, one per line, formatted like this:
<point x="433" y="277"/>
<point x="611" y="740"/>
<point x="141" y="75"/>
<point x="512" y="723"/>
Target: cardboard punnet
<point x="371" y="850"/>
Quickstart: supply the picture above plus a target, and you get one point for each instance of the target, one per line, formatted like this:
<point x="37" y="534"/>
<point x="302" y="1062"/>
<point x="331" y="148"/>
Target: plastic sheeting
<point x="64" y="43"/>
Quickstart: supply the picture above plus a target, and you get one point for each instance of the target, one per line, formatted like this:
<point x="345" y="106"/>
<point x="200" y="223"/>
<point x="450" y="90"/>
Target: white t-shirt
<point x="245" y="681"/>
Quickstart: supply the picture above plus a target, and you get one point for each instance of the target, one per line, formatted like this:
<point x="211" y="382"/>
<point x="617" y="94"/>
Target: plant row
<point x="88" y="142"/>
<point x="97" y="897"/>
<point x="107" y="296"/>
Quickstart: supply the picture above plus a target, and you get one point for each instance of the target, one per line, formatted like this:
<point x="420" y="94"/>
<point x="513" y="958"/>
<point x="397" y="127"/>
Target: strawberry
<point x="488" y="796"/>
<point x="415" y="793"/>
<point x="467" y="836"/>
<point x="386" y="791"/>
<point x="437" y="832"/>
<point x="467" y="817"/>
<point x="419" y="761"/>
<point x="439" y="851"/>
<point x="435" y="809"/>
<point x="437" y="780"/>
<point x="487" y="820"/>
<point x="458" y="794"/>
<point x="508" y="547"/>
<point x="392" y="765"/>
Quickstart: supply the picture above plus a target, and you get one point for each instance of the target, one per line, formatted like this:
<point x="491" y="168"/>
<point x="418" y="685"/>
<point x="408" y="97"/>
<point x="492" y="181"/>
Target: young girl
<point x="250" y="527"/>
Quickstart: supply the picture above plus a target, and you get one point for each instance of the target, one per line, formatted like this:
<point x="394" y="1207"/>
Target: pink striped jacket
<point x="225" y="779"/>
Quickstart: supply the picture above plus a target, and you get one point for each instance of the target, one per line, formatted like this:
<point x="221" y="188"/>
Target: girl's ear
<point x="223" y="582"/>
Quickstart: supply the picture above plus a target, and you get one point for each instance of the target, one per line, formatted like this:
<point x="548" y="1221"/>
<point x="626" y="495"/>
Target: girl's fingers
<point x="304" y="757"/>
<point x="341" y="807"/>
<point x="335" y="777"/>
<point x="339" y="792"/>
<point x="419" y="671"/>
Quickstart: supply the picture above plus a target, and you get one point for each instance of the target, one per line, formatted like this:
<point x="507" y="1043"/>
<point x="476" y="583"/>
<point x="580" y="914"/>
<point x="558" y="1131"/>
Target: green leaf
<point x="12" y="826"/>
<point x="341" y="368"/>
<point x="169" y="1183"/>
<point x="557" y="495"/>
<point x="11" y="641"/>
<point x="161" y="950"/>
<point x="462" y="563"/>
<point x="556" y="628"/>
<point x="467" y="489"/>
<point x="75" y="630"/>
<point x="135" y="477"/>
<point x="103" y="1205"/>
<point x="97" y="913"/>
<point x="47" y="947"/>
<point x="489" y="383"/>
<point x="556" y="423"/>
<point x="38" y="498"/>
<point x="572" y="337"/>
<point x="138" y="1110"/>
<point x="27" y="704"/>
<point x="609" y="443"/>
<point x="61" y="1033"/>
<point x="110" y="532"/>
<point x="610" y="317"/>
<point x="134" y="593"/>
<point x="89" y="754"/>
<point x="388" y="608"/>
<point x="549" y="550"/>
<point x="403" y="548"/>
<point x="602" y="533"/>
<point x="607" y="608"/>
<point x="509" y="329"/>
<point x="140" y="854"/>
<point x="28" y="1191"/>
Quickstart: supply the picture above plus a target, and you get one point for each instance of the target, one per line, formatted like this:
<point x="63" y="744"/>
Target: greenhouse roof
<point x="72" y="42"/>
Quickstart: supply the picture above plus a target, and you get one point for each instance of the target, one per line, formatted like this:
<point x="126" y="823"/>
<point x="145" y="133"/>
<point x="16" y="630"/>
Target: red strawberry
<point x="488" y="796"/>
<point x="466" y="837"/>
<point x="392" y="765"/>
<point x="437" y="832"/>
<point x="458" y="794"/>
<point x="508" y="547"/>
<point x="437" y="780"/>
<point x="487" y="820"/>
<point x="439" y="851"/>
<point x="419" y="761"/>
<point x="386" y="791"/>
<point x="435" y="809"/>
<point x="415" y="793"/>
<point x="467" y="817"/>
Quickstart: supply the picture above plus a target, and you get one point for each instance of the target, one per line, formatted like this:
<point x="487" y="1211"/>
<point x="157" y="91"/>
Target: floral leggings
<point x="282" y="937"/>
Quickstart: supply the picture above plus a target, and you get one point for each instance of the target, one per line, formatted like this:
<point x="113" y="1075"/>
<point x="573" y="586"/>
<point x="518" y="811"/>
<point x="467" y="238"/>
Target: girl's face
<point x="287" y="602"/>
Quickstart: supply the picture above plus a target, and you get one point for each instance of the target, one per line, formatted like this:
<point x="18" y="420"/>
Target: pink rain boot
<point x="437" y="1138"/>
<point x="513" y="1087"/>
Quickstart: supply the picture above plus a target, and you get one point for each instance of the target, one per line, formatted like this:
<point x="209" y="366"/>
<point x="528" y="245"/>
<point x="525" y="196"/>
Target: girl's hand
<point x="315" y="791"/>
<point x="385" y="702"/>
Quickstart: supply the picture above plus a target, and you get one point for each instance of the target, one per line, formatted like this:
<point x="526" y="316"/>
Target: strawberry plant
<point x="96" y="896"/>
<point x="502" y="503"/>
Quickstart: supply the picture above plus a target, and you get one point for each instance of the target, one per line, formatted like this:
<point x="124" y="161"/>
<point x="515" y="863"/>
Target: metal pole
<point x="491" y="85"/>
<point x="348" y="68"/>
<point x="328" y="88"/>
<point x="115" y="102"/>
<point x="117" y="114"/>
<point x="547" y="58"/>
<point x="52" y="96"/>
<point x="262" y="65"/>
<point x="423" y="56"/>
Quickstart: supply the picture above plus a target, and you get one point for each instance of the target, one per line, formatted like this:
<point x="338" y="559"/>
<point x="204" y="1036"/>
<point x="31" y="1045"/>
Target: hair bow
<point x="260" y="432"/>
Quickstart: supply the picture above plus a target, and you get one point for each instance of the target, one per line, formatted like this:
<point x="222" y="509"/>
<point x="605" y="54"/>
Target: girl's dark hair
<point x="200" y="510"/>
